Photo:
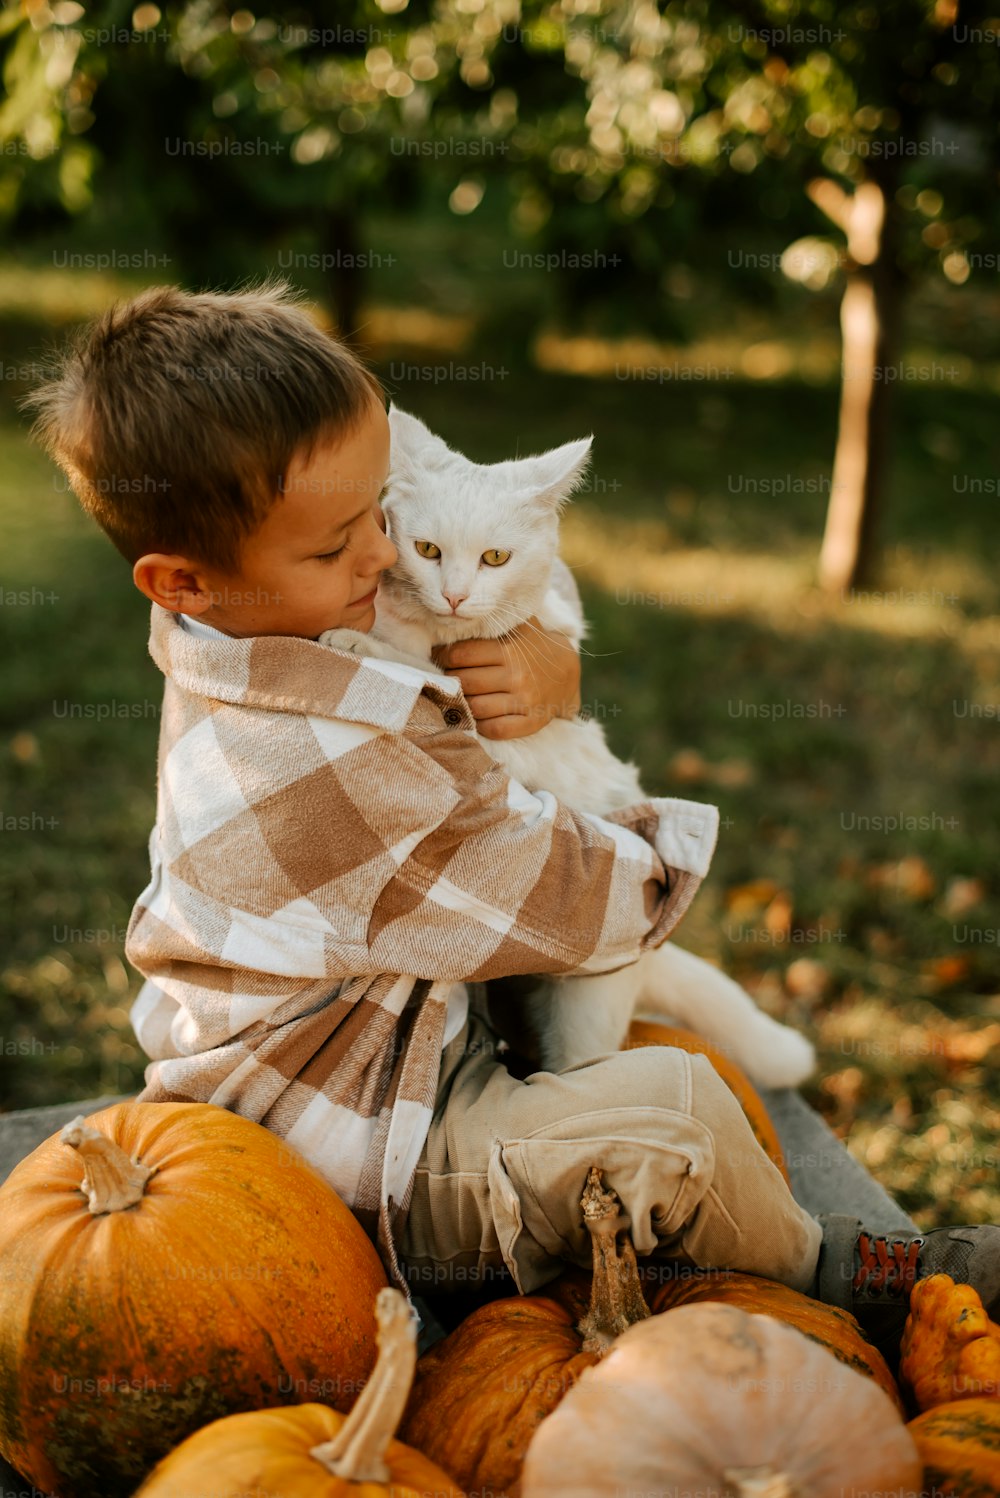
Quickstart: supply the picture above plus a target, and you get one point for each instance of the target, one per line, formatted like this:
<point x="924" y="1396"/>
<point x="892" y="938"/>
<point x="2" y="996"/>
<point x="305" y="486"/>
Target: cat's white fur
<point x="466" y="509"/>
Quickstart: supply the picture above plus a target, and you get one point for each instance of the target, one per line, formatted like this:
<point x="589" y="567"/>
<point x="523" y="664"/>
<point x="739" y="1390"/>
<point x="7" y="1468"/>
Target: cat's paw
<point x="354" y="641"/>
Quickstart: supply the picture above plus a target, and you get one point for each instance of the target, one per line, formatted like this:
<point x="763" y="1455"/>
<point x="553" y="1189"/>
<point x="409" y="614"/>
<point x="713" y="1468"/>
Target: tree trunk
<point x="344" y="263"/>
<point x="869" y="323"/>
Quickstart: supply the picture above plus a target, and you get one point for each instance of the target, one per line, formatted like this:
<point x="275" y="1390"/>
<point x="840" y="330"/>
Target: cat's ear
<point x="410" y="442"/>
<point x="551" y="477"/>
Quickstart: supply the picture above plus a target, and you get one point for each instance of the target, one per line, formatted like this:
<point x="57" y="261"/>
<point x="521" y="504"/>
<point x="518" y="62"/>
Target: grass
<point x="712" y="660"/>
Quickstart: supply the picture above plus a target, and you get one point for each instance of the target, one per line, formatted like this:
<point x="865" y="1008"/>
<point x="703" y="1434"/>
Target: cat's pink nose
<point x="455" y="599"/>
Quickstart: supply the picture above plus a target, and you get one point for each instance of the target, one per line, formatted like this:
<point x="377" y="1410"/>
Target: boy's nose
<point x="386" y="552"/>
<point x="382" y="523"/>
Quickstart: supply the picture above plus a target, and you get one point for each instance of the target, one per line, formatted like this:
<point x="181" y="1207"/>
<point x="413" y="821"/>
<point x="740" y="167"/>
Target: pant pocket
<point x="660" y="1162"/>
<point x="522" y="1255"/>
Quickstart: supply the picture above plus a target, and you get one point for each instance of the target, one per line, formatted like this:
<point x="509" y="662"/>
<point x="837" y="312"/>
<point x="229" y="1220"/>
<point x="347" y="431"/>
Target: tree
<point x="642" y="129"/>
<point x="885" y="118"/>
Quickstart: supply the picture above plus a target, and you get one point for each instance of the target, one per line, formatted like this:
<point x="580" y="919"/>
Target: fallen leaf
<point x="947" y="970"/>
<point x="733" y="773"/>
<point x="688" y="765"/>
<point x="691" y="766"/>
<point x="778" y="916"/>
<point x="910" y="878"/>
<point x="744" y="898"/>
<point x="902" y="1111"/>
<point x="882" y="942"/>
<point x="965" y="1047"/>
<point x="806" y="978"/>
<point x="24" y="748"/>
<point x="846" y="1086"/>
<point x="961" y="896"/>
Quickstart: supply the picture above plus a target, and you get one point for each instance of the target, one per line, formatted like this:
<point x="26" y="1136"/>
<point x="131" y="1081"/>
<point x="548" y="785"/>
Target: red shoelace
<point x="887" y="1264"/>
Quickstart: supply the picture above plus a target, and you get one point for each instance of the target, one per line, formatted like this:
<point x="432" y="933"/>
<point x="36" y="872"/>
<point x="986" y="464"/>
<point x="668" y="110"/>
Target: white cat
<point x="478" y="555"/>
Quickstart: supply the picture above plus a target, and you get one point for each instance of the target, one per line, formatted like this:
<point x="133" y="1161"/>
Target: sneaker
<point x="871" y="1274"/>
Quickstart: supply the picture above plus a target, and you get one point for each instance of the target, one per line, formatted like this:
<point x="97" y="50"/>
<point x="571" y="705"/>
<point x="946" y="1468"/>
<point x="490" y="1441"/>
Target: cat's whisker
<point x="516" y="647"/>
<point x="591" y="654"/>
<point x="535" y="629"/>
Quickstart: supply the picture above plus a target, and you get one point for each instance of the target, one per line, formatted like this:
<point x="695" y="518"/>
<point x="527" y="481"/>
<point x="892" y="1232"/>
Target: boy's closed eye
<point x="329" y="556"/>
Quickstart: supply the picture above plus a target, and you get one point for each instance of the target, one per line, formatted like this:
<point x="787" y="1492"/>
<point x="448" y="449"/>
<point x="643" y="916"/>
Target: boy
<point x="338" y="866"/>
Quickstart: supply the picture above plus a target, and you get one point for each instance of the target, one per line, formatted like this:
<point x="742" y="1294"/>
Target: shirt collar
<point x="200" y="628"/>
<point x="287" y="674"/>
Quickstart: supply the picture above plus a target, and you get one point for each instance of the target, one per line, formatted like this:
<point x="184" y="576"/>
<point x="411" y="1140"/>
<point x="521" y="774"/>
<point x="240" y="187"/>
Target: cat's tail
<point x="698" y="996"/>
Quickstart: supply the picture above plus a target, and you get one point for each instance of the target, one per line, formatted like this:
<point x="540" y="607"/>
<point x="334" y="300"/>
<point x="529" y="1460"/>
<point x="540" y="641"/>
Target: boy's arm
<point x="432" y="863"/>
<point x="510" y="882"/>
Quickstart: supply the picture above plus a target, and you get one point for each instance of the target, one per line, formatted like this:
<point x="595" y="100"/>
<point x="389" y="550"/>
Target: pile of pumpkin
<point x="187" y="1309"/>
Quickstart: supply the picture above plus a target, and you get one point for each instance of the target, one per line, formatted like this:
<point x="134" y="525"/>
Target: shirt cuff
<point x="686" y="834"/>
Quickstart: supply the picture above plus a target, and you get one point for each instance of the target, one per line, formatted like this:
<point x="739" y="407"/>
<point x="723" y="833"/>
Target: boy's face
<point x="315" y="562"/>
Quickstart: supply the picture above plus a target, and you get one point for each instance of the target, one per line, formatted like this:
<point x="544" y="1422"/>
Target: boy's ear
<point x="174" y="582"/>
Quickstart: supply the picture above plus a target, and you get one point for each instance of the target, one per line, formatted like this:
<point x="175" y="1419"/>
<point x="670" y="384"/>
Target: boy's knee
<point x="668" y="1077"/>
<point x="707" y="1081"/>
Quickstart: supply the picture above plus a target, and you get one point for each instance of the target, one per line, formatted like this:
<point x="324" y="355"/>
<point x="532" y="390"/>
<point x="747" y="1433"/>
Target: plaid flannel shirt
<point x="335" y="854"/>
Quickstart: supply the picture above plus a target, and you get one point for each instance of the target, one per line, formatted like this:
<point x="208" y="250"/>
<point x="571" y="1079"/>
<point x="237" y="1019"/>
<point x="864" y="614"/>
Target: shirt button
<point x="453" y="715"/>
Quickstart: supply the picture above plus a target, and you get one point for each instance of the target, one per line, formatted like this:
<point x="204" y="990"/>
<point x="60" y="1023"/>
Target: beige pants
<point x="501" y="1175"/>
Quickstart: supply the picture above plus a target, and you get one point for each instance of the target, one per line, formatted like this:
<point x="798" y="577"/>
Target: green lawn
<point x="712" y="660"/>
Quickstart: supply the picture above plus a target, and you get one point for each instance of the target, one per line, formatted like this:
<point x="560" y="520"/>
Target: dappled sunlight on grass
<point x="951" y="1163"/>
<point x="50" y="294"/>
<point x="814" y="359"/>
<point x="60" y="295"/>
<point x="386" y="328"/>
<point x="637" y="561"/>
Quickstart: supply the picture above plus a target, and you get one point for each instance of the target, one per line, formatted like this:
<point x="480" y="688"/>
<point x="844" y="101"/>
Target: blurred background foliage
<point x="842" y="143"/>
<point x="754" y="247"/>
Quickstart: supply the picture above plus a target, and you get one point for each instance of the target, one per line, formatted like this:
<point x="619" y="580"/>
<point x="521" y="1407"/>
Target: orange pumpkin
<point x="162" y="1265"/>
<point x="642" y="1032"/>
<point x="312" y="1451"/>
<point x="950" y="1348"/>
<point x="959" y="1445"/>
<point x="832" y="1328"/>
<point x="481" y="1393"/>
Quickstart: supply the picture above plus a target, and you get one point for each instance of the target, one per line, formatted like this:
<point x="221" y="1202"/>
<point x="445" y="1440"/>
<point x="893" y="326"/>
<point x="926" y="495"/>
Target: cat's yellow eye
<point x="427" y="549"/>
<point x="495" y="558"/>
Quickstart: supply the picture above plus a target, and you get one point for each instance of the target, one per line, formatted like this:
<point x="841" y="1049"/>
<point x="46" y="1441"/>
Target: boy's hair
<point x="176" y="415"/>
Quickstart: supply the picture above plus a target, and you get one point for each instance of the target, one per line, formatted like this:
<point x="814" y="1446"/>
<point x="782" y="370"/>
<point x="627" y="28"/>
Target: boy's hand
<point x="517" y="684"/>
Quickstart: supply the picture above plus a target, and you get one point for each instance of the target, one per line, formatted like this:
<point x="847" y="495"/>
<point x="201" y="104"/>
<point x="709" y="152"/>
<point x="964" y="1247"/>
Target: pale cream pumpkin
<point x="711" y="1399"/>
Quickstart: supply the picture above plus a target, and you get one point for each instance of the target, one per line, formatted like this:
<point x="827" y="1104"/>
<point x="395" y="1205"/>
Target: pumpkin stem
<point x="758" y="1482"/>
<point x="357" y="1451"/>
<point x="111" y="1181"/>
<point x="616" y="1299"/>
